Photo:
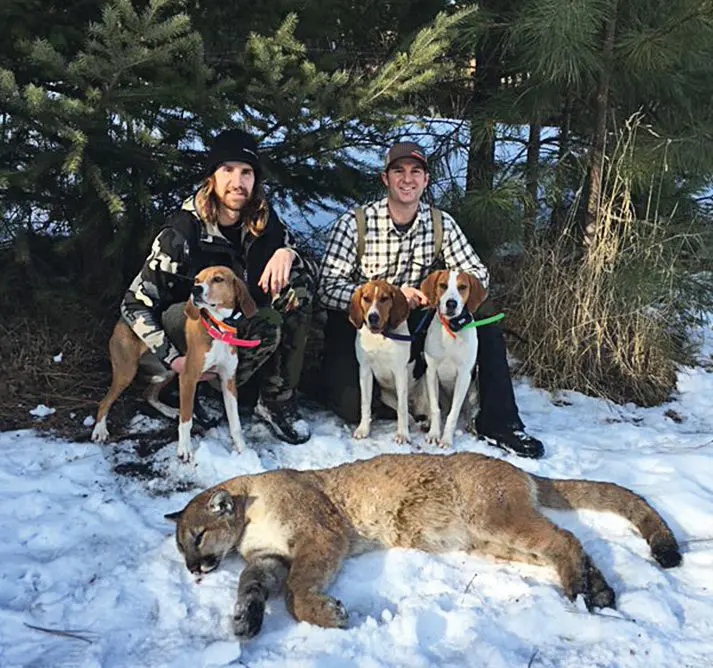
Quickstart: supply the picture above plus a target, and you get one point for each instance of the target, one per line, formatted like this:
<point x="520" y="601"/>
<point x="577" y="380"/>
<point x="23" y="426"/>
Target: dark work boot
<point x="283" y="419"/>
<point x="515" y="441"/>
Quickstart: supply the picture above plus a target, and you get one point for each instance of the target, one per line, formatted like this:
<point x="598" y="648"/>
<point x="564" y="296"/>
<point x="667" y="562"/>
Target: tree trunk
<point x="559" y="208"/>
<point x="532" y="169"/>
<point x="481" y="153"/>
<point x="600" y="130"/>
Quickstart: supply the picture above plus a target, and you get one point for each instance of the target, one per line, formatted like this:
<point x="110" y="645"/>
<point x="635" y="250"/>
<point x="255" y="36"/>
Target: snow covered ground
<point x="85" y="551"/>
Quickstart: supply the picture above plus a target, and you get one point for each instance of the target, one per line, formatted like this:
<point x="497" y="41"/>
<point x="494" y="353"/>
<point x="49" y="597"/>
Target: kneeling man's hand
<point x="414" y="297"/>
<point x="178" y="365"/>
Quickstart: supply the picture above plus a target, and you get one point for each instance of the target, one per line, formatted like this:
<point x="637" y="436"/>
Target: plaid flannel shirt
<point x="402" y="258"/>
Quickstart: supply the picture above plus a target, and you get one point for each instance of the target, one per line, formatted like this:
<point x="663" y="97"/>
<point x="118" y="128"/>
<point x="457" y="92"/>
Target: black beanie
<point x="233" y="145"/>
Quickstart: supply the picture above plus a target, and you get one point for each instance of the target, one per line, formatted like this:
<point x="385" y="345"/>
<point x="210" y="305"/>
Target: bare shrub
<point x="607" y="320"/>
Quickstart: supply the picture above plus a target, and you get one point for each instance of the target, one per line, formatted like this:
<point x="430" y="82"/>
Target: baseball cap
<point x="405" y="149"/>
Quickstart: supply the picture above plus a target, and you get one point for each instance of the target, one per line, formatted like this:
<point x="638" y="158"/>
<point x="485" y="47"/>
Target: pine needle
<point x="532" y="658"/>
<point x="59" y="632"/>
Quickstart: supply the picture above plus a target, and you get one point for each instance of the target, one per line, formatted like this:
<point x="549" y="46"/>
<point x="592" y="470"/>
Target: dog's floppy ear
<point x="191" y="310"/>
<point x="243" y="299"/>
<point x="476" y="295"/>
<point x="399" y="307"/>
<point x="428" y="286"/>
<point x="356" y="314"/>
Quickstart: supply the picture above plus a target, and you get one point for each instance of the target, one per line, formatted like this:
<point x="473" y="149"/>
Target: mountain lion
<point x="294" y="528"/>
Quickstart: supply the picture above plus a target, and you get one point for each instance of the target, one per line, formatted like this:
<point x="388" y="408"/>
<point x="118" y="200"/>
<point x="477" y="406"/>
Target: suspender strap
<point x="436" y="218"/>
<point x="361" y="232"/>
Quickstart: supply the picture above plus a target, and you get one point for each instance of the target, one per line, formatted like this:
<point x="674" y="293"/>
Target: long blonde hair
<point x="253" y="215"/>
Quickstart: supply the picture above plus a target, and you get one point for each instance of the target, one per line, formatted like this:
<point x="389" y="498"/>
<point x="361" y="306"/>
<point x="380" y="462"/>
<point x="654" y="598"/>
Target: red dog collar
<point x="219" y="331"/>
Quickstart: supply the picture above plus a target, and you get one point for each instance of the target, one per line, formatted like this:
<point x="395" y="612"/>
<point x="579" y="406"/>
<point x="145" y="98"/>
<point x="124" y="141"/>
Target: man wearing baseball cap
<point x="402" y="243"/>
<point x="228" y="221"/>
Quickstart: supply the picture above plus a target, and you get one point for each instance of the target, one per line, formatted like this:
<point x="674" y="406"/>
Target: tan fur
<point x="191" y="310"/>
<point x="399" y="307"/>
<point x="470" y="288"/>
<point x="430" y="285"/>
<point x="390" y="302"/>
<point x="463" y="501"/>
<point x="242" y="300"/>
<point x="476" y="292"/>
<point x="356" y="312"/>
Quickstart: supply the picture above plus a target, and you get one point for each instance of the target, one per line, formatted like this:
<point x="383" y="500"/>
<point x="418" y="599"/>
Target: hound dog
<point x="218" y="295"/>
<point x="451" y="347"/>
<point x="379" y="311"/>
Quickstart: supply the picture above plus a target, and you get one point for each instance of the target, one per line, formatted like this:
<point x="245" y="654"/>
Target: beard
<point x="229" y="203"/>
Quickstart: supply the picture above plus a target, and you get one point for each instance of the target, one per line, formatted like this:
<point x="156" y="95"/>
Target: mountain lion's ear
<point x="221" y="503"/>
<point x="174" y="517"/>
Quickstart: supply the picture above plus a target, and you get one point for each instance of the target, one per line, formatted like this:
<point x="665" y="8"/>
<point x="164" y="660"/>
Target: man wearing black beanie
<point x="229" y="221"/>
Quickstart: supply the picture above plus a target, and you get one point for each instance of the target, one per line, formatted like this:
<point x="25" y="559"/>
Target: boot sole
<point x="505" y="448"/>
<point x="275" y="431"/>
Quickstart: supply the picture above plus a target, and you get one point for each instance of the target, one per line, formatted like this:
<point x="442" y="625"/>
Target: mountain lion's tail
<point x="591" y="495"/>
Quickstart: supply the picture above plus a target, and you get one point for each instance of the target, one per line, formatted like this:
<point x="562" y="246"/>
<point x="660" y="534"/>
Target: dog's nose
<point x="451" y="304"/>
<point x="197" y="292"/>
<point x="373" y="318"/>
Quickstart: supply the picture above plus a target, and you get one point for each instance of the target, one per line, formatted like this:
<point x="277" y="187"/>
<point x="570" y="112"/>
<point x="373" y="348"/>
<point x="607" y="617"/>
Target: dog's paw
<point x="445" y="442"/>
<point x="362" y="431"/>
<point x="402" y="439"/>
<point x="433" y="437"/>
<point x="184" y="452"/>
<point x="100" y="433"/>
<point x="238" y="444"/>
<point x="247" y="617"/>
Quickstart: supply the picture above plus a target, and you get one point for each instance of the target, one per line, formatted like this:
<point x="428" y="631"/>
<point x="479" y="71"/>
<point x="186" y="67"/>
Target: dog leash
<point x="408" y="337"/>
<point x="428" y="314"/>
<point x="225" y="333"/>
<point x="472" y="323"/>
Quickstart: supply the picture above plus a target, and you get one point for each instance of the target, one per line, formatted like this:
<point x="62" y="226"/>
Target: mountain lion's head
<point x="208" y="528"/>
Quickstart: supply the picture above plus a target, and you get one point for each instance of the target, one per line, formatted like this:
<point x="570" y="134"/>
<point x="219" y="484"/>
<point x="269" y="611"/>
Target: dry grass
<point x="603" y="320"/>
<point x="72" y="386"/>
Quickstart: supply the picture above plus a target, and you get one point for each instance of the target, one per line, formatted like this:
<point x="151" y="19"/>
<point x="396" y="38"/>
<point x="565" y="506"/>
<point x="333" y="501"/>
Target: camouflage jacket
<point x="184" y="246"/>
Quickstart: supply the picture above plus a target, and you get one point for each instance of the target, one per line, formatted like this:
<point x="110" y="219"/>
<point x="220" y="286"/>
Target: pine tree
<point x="592" y="64"/>
<point x="115" y="128"/>
<point x="103" y="129"/>
<point x="584" y="66"/>
<point x="310" y="119"/>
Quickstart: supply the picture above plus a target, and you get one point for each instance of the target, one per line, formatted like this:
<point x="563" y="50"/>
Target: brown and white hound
<point x="210" y="345"/>
<point x="379" y="311"/>
<point x="451" y="346"/>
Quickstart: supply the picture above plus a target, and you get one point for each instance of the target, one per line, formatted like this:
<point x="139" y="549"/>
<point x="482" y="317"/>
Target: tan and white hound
<point x="210" y="345"/>
<point x="450" y="355"/>
<point x="379" y="311"/>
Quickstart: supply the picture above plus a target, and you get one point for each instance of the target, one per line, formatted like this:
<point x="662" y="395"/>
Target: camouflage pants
<point x="276" y="364"/>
